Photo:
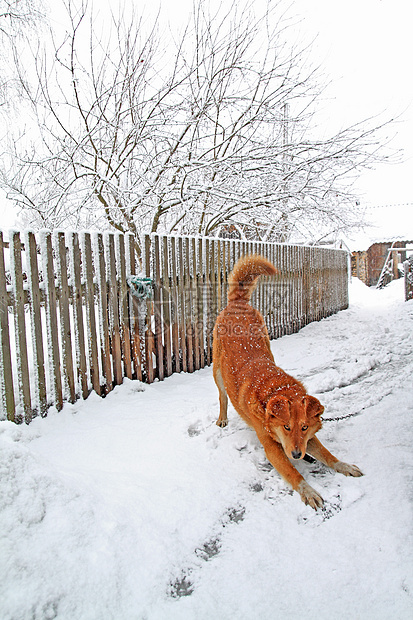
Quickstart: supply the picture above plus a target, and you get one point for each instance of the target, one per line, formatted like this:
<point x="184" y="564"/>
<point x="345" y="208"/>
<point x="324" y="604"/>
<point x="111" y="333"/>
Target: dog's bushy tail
<point x="243" y="278"/>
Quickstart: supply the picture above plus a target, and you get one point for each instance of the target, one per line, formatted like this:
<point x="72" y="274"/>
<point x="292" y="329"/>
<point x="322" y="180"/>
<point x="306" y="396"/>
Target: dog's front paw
<point x="347" y="470"/>
<point x="309" y="496"/>
<point x="222" y="423"/>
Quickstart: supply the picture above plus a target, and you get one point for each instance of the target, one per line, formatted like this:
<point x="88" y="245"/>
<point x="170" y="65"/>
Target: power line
<point x="388" y="206"/>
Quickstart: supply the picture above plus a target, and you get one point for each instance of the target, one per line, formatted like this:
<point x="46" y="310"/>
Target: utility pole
<point x="284" y="218"/>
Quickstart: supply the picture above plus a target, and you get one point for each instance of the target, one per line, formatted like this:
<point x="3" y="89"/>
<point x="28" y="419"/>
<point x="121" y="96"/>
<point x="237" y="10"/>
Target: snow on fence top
<point x="71" y="324"/>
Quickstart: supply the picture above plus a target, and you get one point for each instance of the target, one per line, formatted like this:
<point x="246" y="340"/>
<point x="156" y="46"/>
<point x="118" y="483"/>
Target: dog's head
<point x="293" y="422"/>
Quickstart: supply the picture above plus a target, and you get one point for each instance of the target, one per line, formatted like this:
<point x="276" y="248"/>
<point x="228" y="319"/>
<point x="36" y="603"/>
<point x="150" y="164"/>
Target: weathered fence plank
<point x="66" y="330"/>
<point x="149" y="335"/>
<point x="158" y="314"/>
<point x="114" y="323"/>
<point x="176" y="366"/>
<point x="92" y="334"/>
<point x="6" y="381"/>
<point x="137" y="320"/>
<point x="181" y="305"/>
<point x="189" y="318"/>
<point x="196" y="304"/>
<point x="76" y="270"/>
<point x="48" y="269"/>
<point x="36" y="323"/>
<point x="123" y="307"/>
<point x="207" y="294"/>
<point x="103" y="312"/>
<point x="213" y="275"/>
<point x="200" y="309"/>
<point x="22" y="361"/>
<point x="166" y="307"/>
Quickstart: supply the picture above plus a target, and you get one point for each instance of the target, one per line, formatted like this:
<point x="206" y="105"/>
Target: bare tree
<point x="19" y="19"/>
<point x="18" y="15"/>
<point x="191" y="137"/>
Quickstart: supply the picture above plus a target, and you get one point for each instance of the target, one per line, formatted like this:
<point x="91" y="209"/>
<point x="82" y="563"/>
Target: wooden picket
<point x="124" y="308"/>
<point x="91" y="312"/>
<point x="66" y="334"/>
<point x="48" y="271"/>
<point x="36" y="323"/>
<point x="77" y="326"/>
<point x="6" y="379"/>
<point x="102" y="302"/>
<point x="22" y="361"/>
<point x="137" y="319"/>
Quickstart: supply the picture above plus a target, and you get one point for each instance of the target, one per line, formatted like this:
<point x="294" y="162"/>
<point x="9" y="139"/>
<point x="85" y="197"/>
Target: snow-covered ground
<point x="138" y="507"/>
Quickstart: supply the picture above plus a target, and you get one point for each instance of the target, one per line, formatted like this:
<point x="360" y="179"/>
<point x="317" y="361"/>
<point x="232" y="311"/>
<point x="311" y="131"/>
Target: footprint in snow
<point x="195" y="429"/>
<point x="183" y="585"/>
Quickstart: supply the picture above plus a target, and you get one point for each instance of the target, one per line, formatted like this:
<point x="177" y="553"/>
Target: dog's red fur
<point x="275" y="404"/>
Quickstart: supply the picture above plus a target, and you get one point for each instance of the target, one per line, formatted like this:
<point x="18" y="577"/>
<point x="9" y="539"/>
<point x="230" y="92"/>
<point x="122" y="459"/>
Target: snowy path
<point x="138" y="507"/>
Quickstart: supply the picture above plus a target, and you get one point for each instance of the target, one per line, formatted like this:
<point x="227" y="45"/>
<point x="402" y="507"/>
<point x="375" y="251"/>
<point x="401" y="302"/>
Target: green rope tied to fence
<point x="141" y="288"/>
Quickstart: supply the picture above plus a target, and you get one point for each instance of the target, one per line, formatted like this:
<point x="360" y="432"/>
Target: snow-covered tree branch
<point x="20" y="20"/>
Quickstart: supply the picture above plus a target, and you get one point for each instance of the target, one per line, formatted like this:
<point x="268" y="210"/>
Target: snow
<point x="138" y="507"/>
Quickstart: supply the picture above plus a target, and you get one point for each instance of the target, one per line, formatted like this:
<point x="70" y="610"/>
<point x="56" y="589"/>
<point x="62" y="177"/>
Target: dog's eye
<point x="287" y="428"/>
<point x="304" y="428"/>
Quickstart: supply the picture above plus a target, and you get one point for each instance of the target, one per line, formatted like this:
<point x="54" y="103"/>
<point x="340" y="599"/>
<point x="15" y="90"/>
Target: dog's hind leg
<point x="223" y="399"/>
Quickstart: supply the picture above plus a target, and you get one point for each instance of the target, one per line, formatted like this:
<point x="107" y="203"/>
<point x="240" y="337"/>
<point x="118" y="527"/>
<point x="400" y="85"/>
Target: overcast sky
<point x="366" y="46"/>
<point x="367" y="49"/>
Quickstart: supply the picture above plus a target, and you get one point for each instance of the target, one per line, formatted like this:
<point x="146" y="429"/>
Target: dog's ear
<point x="278" y="407"/>
<point x="313" y="407"/>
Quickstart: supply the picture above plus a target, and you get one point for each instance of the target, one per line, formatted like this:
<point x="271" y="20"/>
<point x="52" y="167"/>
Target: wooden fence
<point x="71" y="324"/>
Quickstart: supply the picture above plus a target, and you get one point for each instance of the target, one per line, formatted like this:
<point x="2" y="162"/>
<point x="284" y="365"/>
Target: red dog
<point x="283" y="415"/>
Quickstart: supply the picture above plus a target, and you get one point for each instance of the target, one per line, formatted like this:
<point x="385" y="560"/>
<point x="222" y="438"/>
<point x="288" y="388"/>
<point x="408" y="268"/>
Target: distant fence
<point x="70" y="323"/>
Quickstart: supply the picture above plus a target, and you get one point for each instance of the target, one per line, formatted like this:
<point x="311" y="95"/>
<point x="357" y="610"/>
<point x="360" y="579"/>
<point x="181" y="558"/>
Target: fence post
<point x="408" y="278"/>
